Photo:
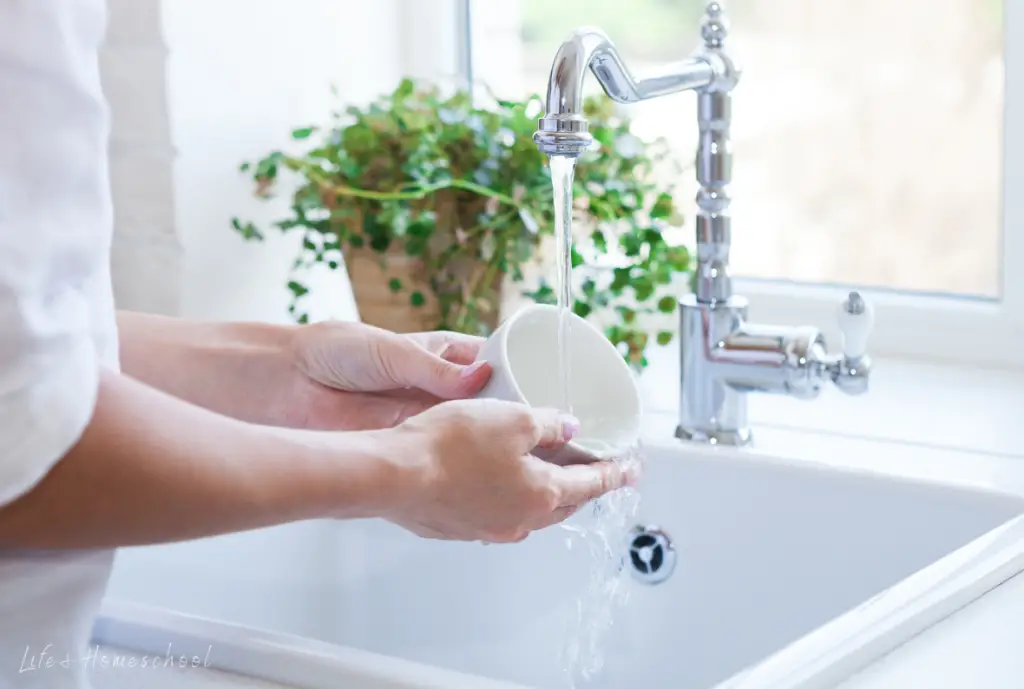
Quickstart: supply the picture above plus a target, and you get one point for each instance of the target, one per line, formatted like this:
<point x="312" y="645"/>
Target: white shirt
<point x="56" y="313"/>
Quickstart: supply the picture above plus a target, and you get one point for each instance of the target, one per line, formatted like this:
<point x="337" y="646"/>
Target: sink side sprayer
<point x="723" y="356"/>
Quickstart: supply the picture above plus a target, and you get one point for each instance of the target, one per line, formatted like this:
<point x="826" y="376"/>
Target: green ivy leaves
<point x="464" y="191"/>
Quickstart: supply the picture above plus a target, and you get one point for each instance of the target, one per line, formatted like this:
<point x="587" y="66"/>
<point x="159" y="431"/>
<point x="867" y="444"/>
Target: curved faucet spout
<point x="590" y="47"/>
<point x="563" y="129"/>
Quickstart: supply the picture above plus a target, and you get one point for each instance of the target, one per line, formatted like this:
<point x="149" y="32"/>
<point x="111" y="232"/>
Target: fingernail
<point x="471" y="370"/>
<point x="570" y="427"/>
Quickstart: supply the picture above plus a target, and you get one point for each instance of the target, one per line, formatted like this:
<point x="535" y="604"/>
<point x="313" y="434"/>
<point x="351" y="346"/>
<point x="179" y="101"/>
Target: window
<point x="869" y="150"/>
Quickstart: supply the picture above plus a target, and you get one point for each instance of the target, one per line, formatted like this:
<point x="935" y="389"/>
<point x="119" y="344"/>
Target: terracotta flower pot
<point x="371" y="274"/>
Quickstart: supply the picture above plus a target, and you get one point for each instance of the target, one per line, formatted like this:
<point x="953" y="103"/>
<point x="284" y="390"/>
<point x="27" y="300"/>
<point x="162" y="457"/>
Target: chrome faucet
<point x="722" y="355"/>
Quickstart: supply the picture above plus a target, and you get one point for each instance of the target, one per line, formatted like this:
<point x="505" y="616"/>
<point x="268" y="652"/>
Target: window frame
<point x="932" y="327"/>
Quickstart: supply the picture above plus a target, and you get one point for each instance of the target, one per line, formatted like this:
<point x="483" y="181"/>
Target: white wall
<point x="196" y="87"/>
<point x="498" y="47"/>
<point x="147" y="253"/>
<point x="242" y="74"/>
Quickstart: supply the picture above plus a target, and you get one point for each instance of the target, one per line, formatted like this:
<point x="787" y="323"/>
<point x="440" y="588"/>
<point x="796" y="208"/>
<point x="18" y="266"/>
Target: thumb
<point x="414" y="366"/>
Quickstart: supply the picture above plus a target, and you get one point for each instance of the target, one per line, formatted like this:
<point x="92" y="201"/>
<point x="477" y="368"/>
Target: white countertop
<point x="979" y="647"/>
<point x="958" y="426"/>
<point x="933" y="405"/>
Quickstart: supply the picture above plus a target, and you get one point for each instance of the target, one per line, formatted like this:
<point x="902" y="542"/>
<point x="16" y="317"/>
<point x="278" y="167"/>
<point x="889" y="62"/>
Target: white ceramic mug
<point x="523" y="354"/>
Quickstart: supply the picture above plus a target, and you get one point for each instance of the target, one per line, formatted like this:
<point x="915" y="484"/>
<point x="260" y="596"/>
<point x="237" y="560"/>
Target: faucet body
<point x="723" y="356"/>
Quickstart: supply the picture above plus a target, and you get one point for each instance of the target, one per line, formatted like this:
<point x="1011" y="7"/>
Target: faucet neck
<point x="714" y="163"/>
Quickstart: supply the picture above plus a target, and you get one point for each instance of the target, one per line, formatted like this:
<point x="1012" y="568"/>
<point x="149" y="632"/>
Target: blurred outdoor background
<point x="866" y="134"/>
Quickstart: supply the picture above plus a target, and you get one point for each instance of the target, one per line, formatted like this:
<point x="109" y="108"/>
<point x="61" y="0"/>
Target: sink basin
<point x="765" y="552"/>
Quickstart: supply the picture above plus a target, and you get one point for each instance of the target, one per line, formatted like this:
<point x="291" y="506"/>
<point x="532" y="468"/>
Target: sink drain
<point x="651" y="555"/>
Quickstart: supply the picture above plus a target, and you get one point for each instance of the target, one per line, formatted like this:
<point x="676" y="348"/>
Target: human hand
<point x="474" y="479"/>
<point x="356" y="377"/>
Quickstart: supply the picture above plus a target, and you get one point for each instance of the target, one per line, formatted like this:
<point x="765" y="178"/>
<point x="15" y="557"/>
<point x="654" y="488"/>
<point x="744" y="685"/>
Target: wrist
<point x="224" y="367"/>
<point x="257" y="376"/>
<point x="363" y="474"/>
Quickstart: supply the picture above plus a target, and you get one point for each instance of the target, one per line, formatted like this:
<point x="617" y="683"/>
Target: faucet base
<point x="717" y="437"/>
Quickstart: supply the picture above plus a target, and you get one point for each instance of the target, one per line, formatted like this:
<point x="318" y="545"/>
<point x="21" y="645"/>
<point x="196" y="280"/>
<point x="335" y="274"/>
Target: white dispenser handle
<point x="856" y="318"/>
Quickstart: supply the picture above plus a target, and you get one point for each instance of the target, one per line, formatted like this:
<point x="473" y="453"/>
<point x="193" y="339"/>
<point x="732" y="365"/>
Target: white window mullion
<point x="464" y="15"/>
<point x="432" y="40"/>
<point x="1013" y="171"/>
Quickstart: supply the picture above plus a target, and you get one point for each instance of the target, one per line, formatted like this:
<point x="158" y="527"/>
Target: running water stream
<point x="562" y="169"/>
<point x="601" y="526"/>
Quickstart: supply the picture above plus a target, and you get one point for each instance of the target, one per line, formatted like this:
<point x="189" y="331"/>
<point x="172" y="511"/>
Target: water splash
<point x="602" y="529"/>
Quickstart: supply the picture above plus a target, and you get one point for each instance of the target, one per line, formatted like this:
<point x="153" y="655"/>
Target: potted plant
<point x="439" y="208"/>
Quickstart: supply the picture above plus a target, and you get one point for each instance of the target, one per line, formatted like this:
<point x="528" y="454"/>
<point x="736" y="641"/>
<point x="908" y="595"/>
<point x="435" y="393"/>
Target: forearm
<point x="150" y="468"/>
<point x="241" y="370"/>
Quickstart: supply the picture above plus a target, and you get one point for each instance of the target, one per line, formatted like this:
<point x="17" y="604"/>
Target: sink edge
<point x="849" y="643"/>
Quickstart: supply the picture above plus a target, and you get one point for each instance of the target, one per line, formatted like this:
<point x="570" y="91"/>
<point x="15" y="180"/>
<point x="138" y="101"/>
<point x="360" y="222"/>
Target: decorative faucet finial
<point x="714" y="26"/>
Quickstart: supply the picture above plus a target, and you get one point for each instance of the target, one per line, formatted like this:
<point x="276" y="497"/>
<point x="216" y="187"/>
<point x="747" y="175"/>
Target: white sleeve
<point x="54" y="231"/>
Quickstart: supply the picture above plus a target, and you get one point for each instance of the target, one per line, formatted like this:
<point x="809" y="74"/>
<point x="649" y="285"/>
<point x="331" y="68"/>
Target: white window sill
<point x="949" y="422"/>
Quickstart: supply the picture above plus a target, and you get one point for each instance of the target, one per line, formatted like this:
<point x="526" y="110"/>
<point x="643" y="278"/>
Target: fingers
<point x="412" y="365"/>
<point x="575" y="486"/>
<point x="518" y="424"/>
<point x="556" y="517"/>
<point x="579" y="483"/>
<point x="563" y="513"/>
<point x="457" y="348"/>
<point x="567" y="489"/>
<point x="462" y="351"/>
<point x="551" y="428"/>
<point x="425" y="531"/>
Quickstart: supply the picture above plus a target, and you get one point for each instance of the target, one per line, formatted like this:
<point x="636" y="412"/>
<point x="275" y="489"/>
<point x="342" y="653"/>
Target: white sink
<point x="766" y="552"/>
